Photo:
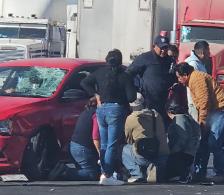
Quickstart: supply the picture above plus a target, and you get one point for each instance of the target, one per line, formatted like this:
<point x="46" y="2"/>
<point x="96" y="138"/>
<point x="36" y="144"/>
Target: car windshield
<point x="30" y="81"/>
<point x="196" y="33"/>
<point x="22" y="33"/>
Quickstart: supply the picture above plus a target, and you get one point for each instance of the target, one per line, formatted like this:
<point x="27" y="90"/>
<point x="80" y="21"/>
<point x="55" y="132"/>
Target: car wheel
<point x="40" y="155"/>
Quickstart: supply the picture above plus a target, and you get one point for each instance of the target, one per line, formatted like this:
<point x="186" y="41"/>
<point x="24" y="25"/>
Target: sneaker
<point x="217" y="179"/>
<point x="110" y="181"/>
<point x="135" y="179"/>
<point x="151" y="173"/>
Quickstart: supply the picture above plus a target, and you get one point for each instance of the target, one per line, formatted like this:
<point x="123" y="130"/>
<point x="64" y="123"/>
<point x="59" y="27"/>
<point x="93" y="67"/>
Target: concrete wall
<point x="132" y="27"/>
<point x="164" y="15"/>
<point x="95" y="29"/>
<point x="129" y="25"/>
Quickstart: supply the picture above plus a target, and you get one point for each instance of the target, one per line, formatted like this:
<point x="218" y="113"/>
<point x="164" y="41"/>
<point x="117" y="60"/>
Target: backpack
<point x="148" y="147"/>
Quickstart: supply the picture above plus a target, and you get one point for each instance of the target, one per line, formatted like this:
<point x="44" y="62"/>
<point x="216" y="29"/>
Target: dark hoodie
<point x="156" y="78"/>
<point x="112" y="83"/>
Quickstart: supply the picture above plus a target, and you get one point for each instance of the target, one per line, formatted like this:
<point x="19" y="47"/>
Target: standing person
<point x="146" y="144"/>
<point x="184" y="138"/>
<point x="153" y="68"/>
<point x="114" y="89"/>
<point x="85" y="145"/>
<point x="208" y="97"/>
<point x="199" y="57"/>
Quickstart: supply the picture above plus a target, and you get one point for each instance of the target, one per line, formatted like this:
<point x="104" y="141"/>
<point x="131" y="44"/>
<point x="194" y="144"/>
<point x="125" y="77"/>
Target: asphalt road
<point x="92" y="188"/>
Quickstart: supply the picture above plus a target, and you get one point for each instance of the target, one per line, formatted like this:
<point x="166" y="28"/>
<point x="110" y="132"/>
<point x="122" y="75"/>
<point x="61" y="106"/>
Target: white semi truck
<point x="31" y="29"/>
<point x="129" y="25"/>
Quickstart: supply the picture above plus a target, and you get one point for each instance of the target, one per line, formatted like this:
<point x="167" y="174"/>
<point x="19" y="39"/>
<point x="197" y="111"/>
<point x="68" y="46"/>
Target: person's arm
<point x="201" y="92"/>
<point x="137" y="66"/>
<point x="89" y="84"/>
<point x="128" y="129"/>
<point x="130" y="89"/>
<point x="97" y="145"/>
<point x="96" y="134"/>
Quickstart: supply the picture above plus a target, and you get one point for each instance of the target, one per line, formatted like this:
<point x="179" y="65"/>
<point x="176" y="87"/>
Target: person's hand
<point x="98" y="100"/>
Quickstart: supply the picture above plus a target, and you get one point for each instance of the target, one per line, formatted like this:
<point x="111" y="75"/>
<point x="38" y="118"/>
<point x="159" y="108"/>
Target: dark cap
<point x="161" y="41"/>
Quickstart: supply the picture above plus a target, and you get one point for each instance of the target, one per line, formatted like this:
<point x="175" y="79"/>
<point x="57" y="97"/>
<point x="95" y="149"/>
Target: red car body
<point x="28" y="115"/>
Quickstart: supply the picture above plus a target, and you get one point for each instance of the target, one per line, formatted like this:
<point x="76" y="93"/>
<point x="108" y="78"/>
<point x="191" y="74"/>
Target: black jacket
<point x="156" y="79"/>
<point x="83" y="129"/>
<point x="112" y="86"/>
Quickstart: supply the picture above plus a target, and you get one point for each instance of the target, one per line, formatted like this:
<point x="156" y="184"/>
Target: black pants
<point x="179" y="164"/>
<point x="202" y="157"/>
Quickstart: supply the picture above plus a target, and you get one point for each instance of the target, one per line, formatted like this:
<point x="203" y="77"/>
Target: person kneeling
<point x="146" y="151"/>
<point x="184" y="138"/>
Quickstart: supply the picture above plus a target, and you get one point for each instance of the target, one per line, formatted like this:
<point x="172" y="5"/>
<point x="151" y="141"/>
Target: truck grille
<point x="11" y="53"/>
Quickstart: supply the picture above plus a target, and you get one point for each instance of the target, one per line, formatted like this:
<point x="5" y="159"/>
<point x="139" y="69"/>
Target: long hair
<point x="114" y="59"/>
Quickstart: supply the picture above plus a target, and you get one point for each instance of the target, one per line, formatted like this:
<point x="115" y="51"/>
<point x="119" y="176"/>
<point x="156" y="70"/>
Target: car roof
<point x="64" y="63"/>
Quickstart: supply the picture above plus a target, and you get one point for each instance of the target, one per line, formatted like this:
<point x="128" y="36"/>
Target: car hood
<point x="12" y="105"/>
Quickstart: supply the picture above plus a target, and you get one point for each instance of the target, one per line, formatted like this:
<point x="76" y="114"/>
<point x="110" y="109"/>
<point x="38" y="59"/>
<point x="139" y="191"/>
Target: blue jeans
<point x="86" y="159"/>
<point x="111" y="119"/>
<point x="136" y="163"/>
<point x="216" y="140"/>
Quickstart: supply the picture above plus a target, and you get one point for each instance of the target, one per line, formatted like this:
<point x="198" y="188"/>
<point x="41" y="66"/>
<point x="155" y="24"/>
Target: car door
<point x="71" y="108"/>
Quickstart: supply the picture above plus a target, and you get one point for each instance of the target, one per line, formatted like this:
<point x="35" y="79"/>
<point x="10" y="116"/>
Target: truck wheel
<point x="40" y="155"/>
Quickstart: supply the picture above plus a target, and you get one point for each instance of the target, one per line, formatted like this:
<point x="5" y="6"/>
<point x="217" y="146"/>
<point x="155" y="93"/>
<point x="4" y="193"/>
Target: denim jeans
<point x="216" y="140"/>
<point x="86" y="159"/>
<point x="111" y="119"/>
<point x="137" y="164"/>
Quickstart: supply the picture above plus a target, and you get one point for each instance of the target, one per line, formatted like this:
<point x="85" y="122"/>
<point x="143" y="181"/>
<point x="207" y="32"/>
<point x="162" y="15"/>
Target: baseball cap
<point x="161" y="41"/>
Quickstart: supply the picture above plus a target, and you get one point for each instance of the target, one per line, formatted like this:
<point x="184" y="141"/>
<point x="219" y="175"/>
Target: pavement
<point x="93" y="188"/>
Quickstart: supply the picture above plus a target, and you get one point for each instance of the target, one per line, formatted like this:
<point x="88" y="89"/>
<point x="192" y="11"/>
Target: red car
<point x="40" y="101"/>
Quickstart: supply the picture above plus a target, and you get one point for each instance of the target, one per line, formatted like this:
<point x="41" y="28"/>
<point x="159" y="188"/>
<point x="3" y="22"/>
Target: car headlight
<point x="5" y="127"/>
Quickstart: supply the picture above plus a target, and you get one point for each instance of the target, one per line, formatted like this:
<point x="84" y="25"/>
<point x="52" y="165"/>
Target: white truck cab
<point x="30" y="38"/>
<point x="32" y="29"/>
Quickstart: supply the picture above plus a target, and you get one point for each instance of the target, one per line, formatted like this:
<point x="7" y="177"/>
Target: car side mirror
<point x="74" y="94"/>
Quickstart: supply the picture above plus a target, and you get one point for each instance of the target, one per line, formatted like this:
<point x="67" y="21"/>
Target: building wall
<point x="129" y="25"/>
